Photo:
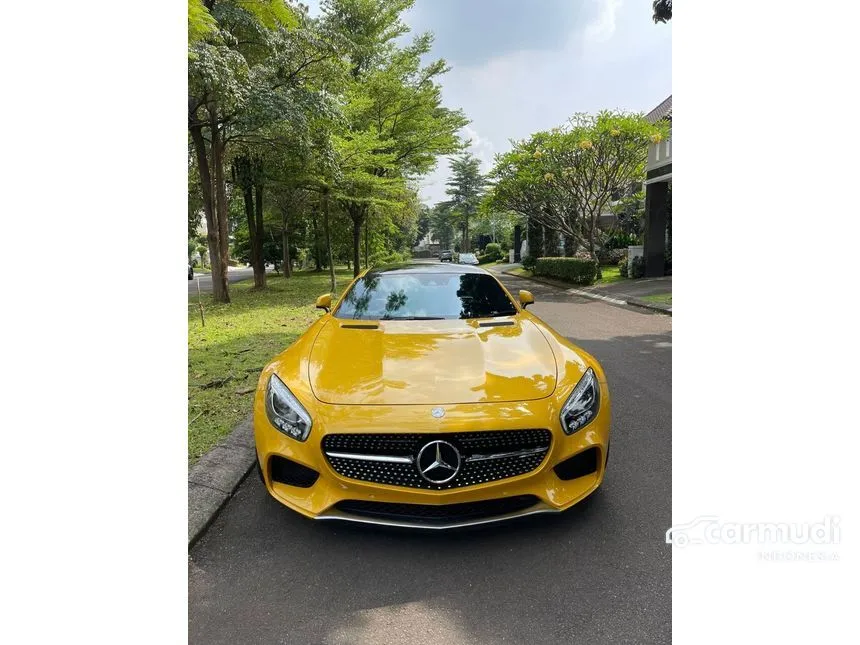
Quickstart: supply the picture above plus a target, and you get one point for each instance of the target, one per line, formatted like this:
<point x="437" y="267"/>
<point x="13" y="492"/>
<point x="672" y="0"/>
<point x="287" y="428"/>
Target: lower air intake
<point x="291" y="473"/>
<point x="579" y="465"/>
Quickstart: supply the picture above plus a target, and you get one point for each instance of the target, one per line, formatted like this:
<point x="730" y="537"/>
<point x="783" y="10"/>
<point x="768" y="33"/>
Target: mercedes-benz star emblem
<point x="438" y="413"/>
<point x="438" y="462"/>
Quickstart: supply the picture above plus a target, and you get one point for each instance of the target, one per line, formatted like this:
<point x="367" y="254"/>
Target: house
<point x="658" y="186"/>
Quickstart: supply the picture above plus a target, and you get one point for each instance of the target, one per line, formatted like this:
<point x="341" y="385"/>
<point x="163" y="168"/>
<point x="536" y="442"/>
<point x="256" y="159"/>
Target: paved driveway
<point x="599" y="573"/>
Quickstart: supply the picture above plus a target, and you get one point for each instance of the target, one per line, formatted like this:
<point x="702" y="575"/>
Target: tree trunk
<point x="466" y="245"/>
<point x="220" y="291"/>
<point x="208" y="205"/>
<point x="257" y="242"/>
<point x="316" y="244"/>
<point x="328" y="242"/>
<point x="356" y="246"/>
<point x="285" y="240"/>
<point x="358" y="214"/>
<point x="569" y="246"/>
<point x="367" y="243"/>
<point x="248" y="195"/>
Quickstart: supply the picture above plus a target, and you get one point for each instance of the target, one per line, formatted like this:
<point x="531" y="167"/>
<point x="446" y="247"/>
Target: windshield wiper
<point x="412" y="318"/>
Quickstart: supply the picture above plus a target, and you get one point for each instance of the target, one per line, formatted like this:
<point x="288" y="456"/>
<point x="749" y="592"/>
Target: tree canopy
<point x="303" y="128"/>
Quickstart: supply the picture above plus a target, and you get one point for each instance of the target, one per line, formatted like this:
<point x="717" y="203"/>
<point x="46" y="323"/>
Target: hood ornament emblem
<point x="437" y="413"/>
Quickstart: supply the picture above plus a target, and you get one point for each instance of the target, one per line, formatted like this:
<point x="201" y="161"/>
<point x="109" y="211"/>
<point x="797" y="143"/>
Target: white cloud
<point x="603" y="27"/>
<point x="618" y="59"/>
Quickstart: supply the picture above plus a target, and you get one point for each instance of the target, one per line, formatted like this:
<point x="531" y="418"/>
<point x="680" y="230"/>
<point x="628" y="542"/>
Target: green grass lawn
<point x="611" y="274"/>
<point x="237" y="341"/>
<point x="660" y="299"/>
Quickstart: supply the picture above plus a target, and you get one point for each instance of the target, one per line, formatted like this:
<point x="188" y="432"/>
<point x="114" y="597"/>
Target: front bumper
<point x="332" y="496"/>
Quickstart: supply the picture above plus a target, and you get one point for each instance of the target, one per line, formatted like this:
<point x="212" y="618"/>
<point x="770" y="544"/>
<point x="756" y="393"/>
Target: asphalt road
<point x="234" y="274"/>
<point x="600" y="573"/>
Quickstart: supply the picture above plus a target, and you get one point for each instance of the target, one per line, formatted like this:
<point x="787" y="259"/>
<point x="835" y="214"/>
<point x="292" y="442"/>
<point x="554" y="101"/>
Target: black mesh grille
<point x="468" y="444"/>
<point x="581" y="464"/>
<point x="289" y="472"/>
<point x="442" y="514"/>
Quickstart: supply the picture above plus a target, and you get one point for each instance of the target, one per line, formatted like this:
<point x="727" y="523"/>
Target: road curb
<point x="633" y="302"/>
<point x="216" y="476"/>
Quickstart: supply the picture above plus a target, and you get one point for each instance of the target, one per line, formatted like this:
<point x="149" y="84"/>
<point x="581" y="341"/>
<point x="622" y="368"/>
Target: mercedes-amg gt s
<point x="427" y="396"/>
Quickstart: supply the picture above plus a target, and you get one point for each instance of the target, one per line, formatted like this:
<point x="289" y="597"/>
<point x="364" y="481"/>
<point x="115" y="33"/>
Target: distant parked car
<point x="190" y="272"/>
<point x="446" y="256"/>
<point x="468" y="258"/>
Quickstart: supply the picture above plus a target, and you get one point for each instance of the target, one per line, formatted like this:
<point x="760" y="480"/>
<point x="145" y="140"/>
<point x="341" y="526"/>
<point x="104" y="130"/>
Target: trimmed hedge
<point x="529" y="262"/>
<point x="574" y="270"/>
<point x="484" y="259"/>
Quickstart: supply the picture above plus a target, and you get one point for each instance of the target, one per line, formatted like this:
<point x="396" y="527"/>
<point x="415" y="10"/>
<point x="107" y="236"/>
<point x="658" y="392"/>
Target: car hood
<point x="430" y="362"/>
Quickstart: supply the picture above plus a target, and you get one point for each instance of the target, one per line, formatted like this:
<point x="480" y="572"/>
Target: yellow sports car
<point x="427" y="396"/>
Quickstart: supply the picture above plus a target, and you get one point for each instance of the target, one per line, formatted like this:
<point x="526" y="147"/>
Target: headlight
<point x="284" y="410"/>
<point x="582" y="404"/>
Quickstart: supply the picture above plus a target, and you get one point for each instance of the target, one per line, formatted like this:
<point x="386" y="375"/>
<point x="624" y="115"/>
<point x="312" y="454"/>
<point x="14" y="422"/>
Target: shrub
<point x="622" y="267"/>
<point x="485" y="259"/>
<point x="620" y="240"/>
<point x="575" y="270"/>
<point x="637" y="267"/>
<point x="611" y="256"/>
<point x="494" y="251"/>
<point x="529" y="262"/>
<point x="390" y="257"/>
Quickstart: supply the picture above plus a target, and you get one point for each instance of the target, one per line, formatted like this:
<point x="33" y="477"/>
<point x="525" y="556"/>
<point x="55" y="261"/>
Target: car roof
<point x="424" y="267"/>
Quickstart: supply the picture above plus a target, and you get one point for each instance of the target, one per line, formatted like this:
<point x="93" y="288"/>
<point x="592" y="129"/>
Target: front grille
<point x="442" y="514"/>
<point x="391" y="458"/>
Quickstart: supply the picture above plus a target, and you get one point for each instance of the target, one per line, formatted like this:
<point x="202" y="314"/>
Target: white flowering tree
<point x="566" y="177"/>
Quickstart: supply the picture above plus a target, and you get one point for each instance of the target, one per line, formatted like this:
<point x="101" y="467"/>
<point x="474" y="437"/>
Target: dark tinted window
<point x="409" y="296"/>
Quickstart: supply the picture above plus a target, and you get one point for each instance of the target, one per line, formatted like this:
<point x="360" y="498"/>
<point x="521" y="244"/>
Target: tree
<point x="662" y="10"/>
<point x="518" y="185"/>
<point x="256" y="67"/>
<point x="396" y="123"/>
<point x="572" y="173"/>
<point x="423" y="223"/>
<point x="442" y="224"/>
<point x="497" y="224"/>
<point x="465" y="188"/>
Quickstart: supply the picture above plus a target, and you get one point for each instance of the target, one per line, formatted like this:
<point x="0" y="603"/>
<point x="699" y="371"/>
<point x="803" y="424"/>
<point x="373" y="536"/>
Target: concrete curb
<point x="633" y="302"/>
<point x="213" y="480"/>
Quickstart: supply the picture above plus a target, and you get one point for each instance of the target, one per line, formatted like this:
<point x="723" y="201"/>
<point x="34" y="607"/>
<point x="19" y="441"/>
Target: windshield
<point x="425" y="296"/>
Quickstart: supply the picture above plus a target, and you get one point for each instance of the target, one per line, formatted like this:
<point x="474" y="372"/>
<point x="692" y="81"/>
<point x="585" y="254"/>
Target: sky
<point x="520" y="66"/>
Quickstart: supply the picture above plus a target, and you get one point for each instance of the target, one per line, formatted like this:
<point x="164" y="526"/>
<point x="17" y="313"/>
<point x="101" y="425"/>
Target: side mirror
<point x="526" y="298"/>
<point x="324" y="302"/>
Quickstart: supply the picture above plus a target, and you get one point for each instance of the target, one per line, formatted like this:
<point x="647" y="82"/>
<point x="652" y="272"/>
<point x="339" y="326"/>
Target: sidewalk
<point x="648" y="293"/>
<point x="652" y="292"/>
